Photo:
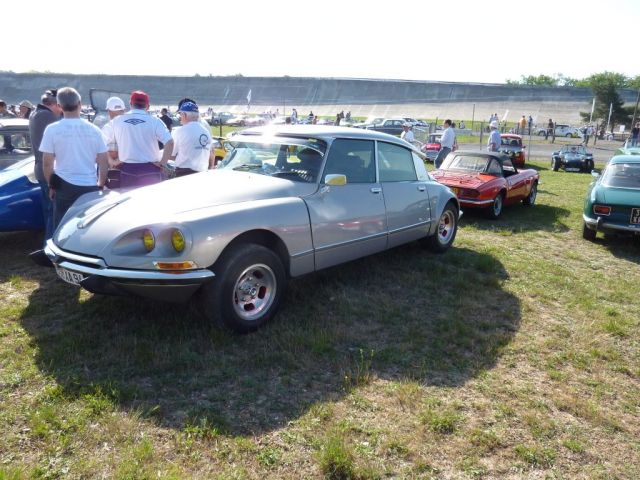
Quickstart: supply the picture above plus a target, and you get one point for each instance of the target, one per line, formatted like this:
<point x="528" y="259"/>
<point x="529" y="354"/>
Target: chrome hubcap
<point x="446" y="227"/>
<point x="254" y="292"/>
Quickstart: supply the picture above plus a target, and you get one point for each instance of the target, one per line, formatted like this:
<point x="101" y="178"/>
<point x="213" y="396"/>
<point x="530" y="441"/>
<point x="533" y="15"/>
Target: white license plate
<point x="68" y="276"/>
<point x="635" y="216"/>
<point x="572" y="169"/>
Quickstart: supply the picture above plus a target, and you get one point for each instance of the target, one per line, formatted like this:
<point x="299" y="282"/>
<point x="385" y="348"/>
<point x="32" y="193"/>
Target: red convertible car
<point x="511" y="144"/>
<point x="487" y="180"/>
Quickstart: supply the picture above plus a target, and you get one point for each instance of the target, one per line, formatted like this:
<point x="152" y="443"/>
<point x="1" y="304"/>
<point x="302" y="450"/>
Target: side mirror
<point x="335" y="179"/>
<point x="595" y="173"/>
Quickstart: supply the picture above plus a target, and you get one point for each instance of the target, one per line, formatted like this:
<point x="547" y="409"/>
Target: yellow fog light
<point x="148" y="240"/>
<point x="177" y="240"/>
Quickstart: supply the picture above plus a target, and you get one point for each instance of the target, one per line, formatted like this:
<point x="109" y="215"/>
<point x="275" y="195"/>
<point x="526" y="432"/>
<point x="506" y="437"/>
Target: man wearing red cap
<point x="134" y="141"/>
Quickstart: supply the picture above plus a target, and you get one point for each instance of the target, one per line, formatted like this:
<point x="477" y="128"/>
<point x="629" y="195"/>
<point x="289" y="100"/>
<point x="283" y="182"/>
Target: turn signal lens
<point x="148" y="240"/>
<point x="601" y="210"/>
<point x="177" y="240"/>
<point x="188" y="265"/>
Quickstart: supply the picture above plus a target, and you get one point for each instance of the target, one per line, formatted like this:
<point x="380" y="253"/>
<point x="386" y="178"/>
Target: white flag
<point x="249" y="97"/>
<point x="593" y="106"/>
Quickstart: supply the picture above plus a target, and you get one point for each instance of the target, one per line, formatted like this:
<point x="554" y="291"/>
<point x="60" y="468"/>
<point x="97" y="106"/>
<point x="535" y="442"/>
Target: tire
<point x="555" y="164"/>
<point x="568" y="135"/>
<point x="495" y="210"/>
<point x="246" y="292"/>
<point x="588" y="166"/>
<point x="541" y="133"/>
<point x="530" y="200"/>
<point x="447" y="229"/>
<point x="587" y="233"/>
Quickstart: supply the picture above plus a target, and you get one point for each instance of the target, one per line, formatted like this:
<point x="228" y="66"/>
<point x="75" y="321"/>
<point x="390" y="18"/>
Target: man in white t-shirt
<point x="447" y="142"/>
<point x="135" y="136"/>
<point x="494" y="141"/>
<point x="407" y="134"/>
<point x="191" y="142"/>
<point x="115" y="108"/>
<point x="71" y="149"/>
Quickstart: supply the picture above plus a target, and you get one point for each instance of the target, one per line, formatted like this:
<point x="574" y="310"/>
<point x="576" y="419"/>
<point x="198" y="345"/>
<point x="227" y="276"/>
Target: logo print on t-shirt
<point x="134" y="121"/>
<point x="204" y="140"/>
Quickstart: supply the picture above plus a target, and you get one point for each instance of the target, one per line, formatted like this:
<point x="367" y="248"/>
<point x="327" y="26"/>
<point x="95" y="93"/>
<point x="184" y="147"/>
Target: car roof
<point x="14" y="122"/>
<point x="323" y="132"/>
<point x="479" y="153"/>
<point x="511" y="135"/>
<point x="625" y="159"/>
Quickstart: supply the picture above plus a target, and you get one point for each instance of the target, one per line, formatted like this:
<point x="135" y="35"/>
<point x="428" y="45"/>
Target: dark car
<point x="20" y="198"/>
<point x="15" y="142"/>
<point x="392" y="126"/>
<point x="572" y="158"/>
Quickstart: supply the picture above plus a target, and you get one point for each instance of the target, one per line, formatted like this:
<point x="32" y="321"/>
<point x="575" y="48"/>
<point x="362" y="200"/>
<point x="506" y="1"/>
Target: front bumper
<point x="465" y="202"/>
<point x="600" y="225"/>
<point x="97" y="277"/>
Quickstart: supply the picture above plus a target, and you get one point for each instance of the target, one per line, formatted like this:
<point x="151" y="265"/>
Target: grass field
<point x="514" y="355"/>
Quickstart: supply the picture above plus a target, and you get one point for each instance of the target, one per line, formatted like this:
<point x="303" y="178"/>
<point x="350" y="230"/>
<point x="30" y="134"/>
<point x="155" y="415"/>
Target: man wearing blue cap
<point x="191" y="142"/>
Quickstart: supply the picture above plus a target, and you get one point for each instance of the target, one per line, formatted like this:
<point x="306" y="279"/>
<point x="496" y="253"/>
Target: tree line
<point x="605" y="86"/>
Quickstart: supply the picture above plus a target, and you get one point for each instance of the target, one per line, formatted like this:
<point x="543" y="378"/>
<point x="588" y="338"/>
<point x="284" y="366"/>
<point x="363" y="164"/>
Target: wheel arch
<point x="263" y="237"/>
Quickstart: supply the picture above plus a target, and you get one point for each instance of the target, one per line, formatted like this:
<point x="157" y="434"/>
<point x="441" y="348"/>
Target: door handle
<point x="376" y="189"/>
<point x="422" y="188"/>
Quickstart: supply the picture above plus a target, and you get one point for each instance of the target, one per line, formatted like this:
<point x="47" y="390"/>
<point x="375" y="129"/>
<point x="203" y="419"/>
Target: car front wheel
<point x="446" y="232"/>
<point x="246" y="293"/>
<point x="555" y="164"/>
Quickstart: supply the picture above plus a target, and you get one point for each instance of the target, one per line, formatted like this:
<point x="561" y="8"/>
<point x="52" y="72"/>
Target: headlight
<point x="148" y="240"/>
<point x="177" y="240"/>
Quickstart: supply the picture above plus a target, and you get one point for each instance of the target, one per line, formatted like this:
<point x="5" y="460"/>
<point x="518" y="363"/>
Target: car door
<point x="348" y="221"/>
<point x="516" y="184"/>
<point x="406" y="198"/>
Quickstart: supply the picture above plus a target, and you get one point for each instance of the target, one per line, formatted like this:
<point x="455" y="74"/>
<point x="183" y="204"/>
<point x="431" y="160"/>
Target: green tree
<point x="605" y="89"/>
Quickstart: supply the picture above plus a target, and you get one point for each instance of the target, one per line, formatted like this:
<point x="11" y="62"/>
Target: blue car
<point x="20" y="198"/>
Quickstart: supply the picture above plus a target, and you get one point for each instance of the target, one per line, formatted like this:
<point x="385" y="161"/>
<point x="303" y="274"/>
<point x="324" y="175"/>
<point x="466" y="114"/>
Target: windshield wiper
<point x="248" y="166"/>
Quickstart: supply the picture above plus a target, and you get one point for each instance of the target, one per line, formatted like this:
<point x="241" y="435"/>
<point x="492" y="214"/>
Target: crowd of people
<point x="22" y="110"/>
<point x="73" y="156"/>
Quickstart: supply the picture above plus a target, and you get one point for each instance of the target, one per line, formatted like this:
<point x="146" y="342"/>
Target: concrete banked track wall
<point x="327" y="96"/>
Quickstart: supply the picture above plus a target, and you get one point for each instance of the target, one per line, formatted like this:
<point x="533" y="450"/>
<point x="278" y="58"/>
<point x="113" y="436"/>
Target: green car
<point x="612" y="204"/>
<point x="628" y="149"/>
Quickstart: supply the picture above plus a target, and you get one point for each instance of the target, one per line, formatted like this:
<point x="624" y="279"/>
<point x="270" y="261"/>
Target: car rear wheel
<point x="587" y="233"/>
<point x="446" y="232"/>
<point x="246" y="293"/>
<point x="495" y="210"/>
<point x="568" y="135"/>
<point x="555" y="164"/>
<point x="530" y="200"/>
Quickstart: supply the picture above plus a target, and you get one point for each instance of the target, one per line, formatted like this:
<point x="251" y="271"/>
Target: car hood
<point x="96" y="219"/>
<point x="464" y="180"/>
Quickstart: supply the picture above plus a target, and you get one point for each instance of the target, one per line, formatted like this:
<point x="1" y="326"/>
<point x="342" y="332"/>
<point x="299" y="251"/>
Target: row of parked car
<point x="284" y="202"/>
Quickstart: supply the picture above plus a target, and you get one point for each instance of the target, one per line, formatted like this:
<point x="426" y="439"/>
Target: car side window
<point x="352" y="158"/>
<point x="395" y="163"/>
<point x="494" y="168"/>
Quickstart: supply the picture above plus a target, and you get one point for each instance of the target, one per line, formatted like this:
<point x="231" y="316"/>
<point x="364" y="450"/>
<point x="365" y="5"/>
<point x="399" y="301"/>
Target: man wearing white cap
<point x="191" y="142"/>
<point x="26" y="107"/>
<point x="115" y="107"/>
<point x="407" y="134"/>
<point x="493" y="143"/>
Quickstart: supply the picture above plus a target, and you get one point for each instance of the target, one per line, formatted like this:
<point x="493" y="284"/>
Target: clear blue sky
<point x="457" y="40"/>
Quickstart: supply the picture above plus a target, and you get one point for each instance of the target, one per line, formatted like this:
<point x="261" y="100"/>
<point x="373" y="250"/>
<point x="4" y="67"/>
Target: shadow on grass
<point x="518" y="219"/>
<point x="621" y="246"/>
<point x="404" y="314"/>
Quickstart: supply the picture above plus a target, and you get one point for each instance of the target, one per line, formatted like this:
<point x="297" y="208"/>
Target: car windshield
<point x="622" y="175"/>
<point x="293" y="159"/>
<point x="465" y="163"/>
<point x="511" y="142"/>
<point x="574" y="149"/>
